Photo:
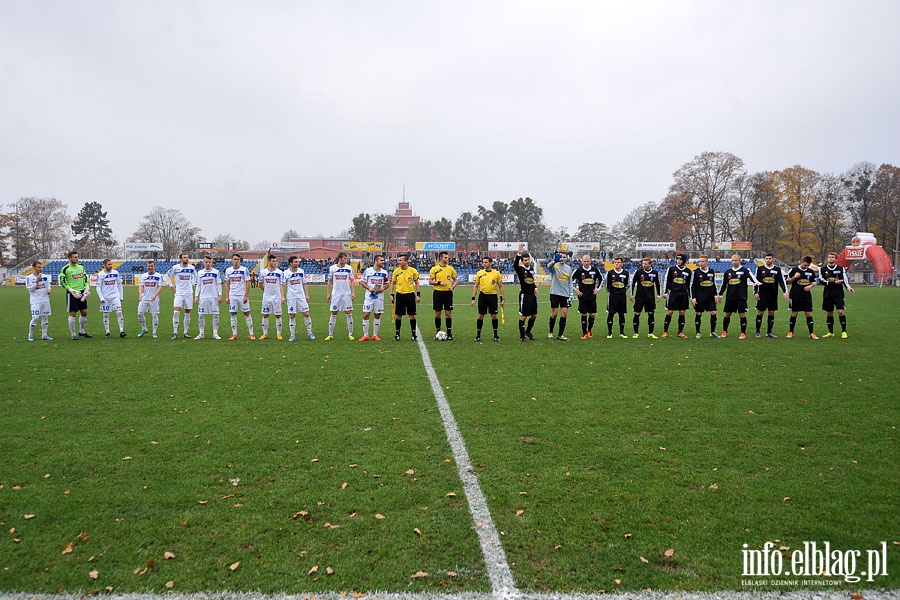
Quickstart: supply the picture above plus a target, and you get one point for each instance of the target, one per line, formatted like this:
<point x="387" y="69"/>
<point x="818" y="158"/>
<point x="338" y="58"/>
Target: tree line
<point x="712" y="198"/>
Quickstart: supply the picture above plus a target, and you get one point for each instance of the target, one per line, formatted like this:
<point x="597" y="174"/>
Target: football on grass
<point x="441" y="336"/>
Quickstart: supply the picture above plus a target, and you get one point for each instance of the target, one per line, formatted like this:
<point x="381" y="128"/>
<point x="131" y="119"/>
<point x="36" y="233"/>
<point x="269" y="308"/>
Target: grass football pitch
<point x="136" y="465"/>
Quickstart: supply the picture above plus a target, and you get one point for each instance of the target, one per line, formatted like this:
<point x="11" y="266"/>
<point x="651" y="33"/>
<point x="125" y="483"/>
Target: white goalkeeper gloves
<point x="75" y="293"/>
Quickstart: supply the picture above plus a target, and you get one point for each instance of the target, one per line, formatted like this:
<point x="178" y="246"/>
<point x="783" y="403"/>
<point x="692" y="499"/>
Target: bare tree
<point x="707" y="180"/>
<point x="42" y="227"/>
<point x="859" y="182"/>
<point x="170" y="227"/>
<point x="828" y="217"/>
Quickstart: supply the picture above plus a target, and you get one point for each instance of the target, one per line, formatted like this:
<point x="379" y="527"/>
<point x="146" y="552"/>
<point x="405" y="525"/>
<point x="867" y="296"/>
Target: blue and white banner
<point x="436" y="246"/>
<point x="144" y="247"/>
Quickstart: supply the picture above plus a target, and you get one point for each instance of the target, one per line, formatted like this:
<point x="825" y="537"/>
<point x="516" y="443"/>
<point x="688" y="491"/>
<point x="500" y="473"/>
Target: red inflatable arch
<point x="865" y="248"/>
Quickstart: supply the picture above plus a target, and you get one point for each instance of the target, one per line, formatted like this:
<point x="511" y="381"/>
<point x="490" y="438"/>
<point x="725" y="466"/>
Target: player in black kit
<point x="588" y="279"/>
<point x="703" y="295"/>
<point x="802" y="278"/>
<point x="735" y="280"/>
<point x="525" y="267"/>
<point x="769" y="277"/>
<point x="617" y="296"/>
<point x="646" y="280"/>
<point x="834" y="279"/>
<point x="677" y="292"/>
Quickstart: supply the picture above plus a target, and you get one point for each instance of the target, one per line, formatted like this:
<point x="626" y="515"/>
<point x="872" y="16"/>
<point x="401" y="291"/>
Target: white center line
<point x="499" y="573"/>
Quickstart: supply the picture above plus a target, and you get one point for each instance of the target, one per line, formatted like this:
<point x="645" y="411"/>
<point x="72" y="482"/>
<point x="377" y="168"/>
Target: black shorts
<point x="736" y="306"/>
<point x="405" y="304"/>
<point x="764" y="303"/>
<point x="678" y="302"/>
<point x="488" y="304"/>
<point x="801" y="304"/>
<point x="587" y="304"/>
<point x="527" y="304"/>
<point x="73" y="304"/>
<point x="830" y="303"/>
<point x="644" y="304"/>
<point x="617" y="303"/>
<point x="443" y="300"/>
<point x="705" y="304"/>
<point x="557" y="301"/>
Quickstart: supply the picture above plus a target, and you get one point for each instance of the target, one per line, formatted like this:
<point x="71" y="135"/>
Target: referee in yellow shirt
<point x="405" y="281"/>
<point x="442" y="278"/>
<point x="490" y="285"/>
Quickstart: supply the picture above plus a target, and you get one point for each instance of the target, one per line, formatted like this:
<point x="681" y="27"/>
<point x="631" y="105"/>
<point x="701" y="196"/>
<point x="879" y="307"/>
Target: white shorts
<point x="271" y="306"/>
<point x="341" y="303"/>
<point x="237" y="302"/>
<point x="146" y="306"/>
<point x="185" y="301"/>
<point x="208" y="306"/>
<point x="297" y="305"/>
<point x="110" y="306"/>
<point x="373" y="305"/>
<point x="40" y="309"/>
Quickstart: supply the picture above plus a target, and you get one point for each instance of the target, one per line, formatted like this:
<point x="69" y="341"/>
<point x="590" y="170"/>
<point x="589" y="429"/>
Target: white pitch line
<point x="499" y="573"/>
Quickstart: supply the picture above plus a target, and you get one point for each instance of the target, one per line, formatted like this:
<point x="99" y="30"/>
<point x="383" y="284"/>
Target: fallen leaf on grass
<point x="618" y="581"/>
<point x="451" y="495"/>
<point x="644" y="560"/>
<point x="410" y="472"/>
<point x="170" y="584"/>
<point x="127" y="458"/>
<point x="344" y="485"/>
<point x="520" y="513"/>
<point x="302" y="513"/>
<point x="26" y="517"/>
<point x="313" y="571"/>
<point x="168" y="555"/>
<point x="419" y="575"/>
<point x="94" y="574"/>
<point x="714" y="486"/>
<point x="379" y="516"/>
<point x="68" y="548"/>
<point x="418" y="532"/>
<point x="329" y="571"/>
<point x="669" y="553"/>
<point x="452" y="574"/>
<point x="234" y="567"/>
<point x="619" y="569"/>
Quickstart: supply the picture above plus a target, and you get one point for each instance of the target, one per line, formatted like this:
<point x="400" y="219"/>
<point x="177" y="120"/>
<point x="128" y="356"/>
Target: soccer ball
<point x="441" y="336"/>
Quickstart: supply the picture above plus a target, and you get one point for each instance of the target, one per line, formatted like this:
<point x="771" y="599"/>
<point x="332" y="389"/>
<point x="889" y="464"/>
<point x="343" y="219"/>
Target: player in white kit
<point x="237" y="289"/>
<point x="182" y="278"/>
<point x="375" y="279"/>
<point x="38" y="286"/>
<point x="341" y="294"/>
<point x="111" y="292"/>
<point x="272" y="281"/>
<point x="297" y="297"/>
<point x="208" y="297"/>
<point x="151" y="285"/>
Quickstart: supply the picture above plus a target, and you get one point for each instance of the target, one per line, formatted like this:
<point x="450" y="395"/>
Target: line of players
<point x="681" y="288"/>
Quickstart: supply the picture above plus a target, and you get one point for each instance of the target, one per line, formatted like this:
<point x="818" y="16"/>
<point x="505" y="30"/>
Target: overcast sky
<point x="257" y="117"/>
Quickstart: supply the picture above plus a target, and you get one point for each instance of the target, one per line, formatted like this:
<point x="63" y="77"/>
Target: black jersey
<point x="834" y="279"/>
<point x="678" y="281"/>
<point x="703" y="284"/>
<point x="770" y="279"/>
<point x="617" y="282"/>
<point x="525" y="274"/>
<point x="645" y="282"/>
<point x="807" y="277"/>
<point x="735" y="281"/>
<point x="588" y="279"/>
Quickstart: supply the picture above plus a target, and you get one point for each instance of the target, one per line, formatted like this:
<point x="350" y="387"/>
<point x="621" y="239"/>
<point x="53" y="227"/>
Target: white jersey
<point x="294" y="281"/>
<point x="38" y="289"/>
<point x="151" y="284"/>
<point x="183" y="278"/>
<point x="209" y="284"/>
<point x="109" y="286"/>
<point x="237" y="281"/>
<point x="341" y="279"/>
<point x="378" y="279"/>
<point x="271" y="282"/>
